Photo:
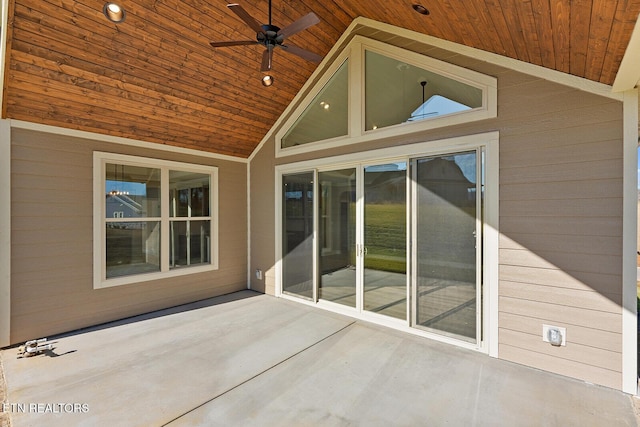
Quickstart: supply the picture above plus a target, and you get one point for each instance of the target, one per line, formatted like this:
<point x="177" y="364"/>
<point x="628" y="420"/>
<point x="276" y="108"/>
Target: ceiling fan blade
<point x="303" y="23"/>
<point x="267" y="59"/>
<point x="244" y="15"/>
<point x="233" y="43"/>
<point x="302" y="53"/>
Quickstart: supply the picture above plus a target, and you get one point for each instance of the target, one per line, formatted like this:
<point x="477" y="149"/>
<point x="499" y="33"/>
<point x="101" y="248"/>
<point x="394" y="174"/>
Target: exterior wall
<point x="561" y="189"/>
<point x="51" y="228"/>
<point x="262" y="222"/>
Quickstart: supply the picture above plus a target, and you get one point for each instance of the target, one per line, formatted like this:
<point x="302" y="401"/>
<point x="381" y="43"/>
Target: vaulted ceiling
<point x="154" y="77"/>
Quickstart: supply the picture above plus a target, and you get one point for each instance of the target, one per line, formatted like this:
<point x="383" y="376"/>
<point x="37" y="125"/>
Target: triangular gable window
<point x="327" y="116"/>
<point x="374" y="90"/>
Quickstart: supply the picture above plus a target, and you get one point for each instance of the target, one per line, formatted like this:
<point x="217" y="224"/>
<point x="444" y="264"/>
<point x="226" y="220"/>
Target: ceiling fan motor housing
<point x="270" y="35"/>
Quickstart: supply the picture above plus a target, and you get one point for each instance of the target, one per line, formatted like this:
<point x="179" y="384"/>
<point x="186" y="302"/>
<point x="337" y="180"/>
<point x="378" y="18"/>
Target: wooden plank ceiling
<point x="154" y="77"/>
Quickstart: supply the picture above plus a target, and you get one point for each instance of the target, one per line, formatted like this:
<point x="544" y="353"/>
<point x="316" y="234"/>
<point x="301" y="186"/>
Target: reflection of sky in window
<point x="389" y="167"/>
<point x="297" y="195"/>
<point x="131" y="188"/>
<point x="467" y="163"/>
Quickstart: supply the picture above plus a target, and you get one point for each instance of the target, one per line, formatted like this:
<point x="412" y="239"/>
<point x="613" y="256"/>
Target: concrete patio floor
<point x="251" y="359"/>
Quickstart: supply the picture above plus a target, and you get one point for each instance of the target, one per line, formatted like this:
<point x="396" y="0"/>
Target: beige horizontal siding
<point x="565" y="261"/>
<point x="543" y="97"/>
<point x="587" y="226"/>
<point x="582" y="354"/>
<point x="561" y="231"/>
<point x="529" y="121"/>
<point x="570" y="171"/>
<point x="262" y="175"/>
<point x="606" y="245"/>
<point x="561" y="314"/>
<point x="563" y="297"/>
<point x="52" y="239"/>
<point x="547" y="137"/>
<point x="561" y="226"/>
<point x="594" y="374"/>
<point x="562" y="208"/>
<point x="597" y="282"/>
<point x="588" y="337"/>
<point x="564" y="190"/>
<point x="562" y="154"/>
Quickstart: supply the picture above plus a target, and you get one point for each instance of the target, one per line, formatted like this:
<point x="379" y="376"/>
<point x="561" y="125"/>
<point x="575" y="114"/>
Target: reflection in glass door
<point x="297" y="234"/>
<point x="398" y="240"/>
<point x="385" y="239"/>
<point x="337" y="236"/>
<point x="446" y="211"/>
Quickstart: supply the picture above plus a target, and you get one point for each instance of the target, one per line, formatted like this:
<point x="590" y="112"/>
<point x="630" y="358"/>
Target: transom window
<point x="152" y="219"/>
<point x="373" y="90"/>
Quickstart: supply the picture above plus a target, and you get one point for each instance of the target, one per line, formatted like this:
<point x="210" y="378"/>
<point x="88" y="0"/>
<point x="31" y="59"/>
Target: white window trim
<point x="100" y="159"/>
<point x="491" y="229"/>
<point x="354" y="52"/>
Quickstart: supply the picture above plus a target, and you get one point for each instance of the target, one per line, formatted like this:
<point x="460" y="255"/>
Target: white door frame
<point x="489" y="142"/>
<point x="478" y="232"/>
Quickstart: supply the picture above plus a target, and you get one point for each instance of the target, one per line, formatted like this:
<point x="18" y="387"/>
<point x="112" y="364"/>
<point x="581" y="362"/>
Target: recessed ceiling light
<point x="420" y="9"/>
<point x="114" y="12"/>
<point x="267" y="80"/>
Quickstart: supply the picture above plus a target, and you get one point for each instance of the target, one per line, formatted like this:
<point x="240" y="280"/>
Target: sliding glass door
<point x="446" y="218"/>
<point x="348" y="248"/>
<point x="337" y="236"/>
<point x="297" y="235"/>
<point x="385" y="239"/>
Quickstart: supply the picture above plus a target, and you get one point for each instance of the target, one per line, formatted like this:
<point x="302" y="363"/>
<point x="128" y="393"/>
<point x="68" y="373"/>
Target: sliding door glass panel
<point x="337" y="236"/>
<point x="385" y="239"/>
<point x="297" y="235"/>
<point x="445" y="295"/>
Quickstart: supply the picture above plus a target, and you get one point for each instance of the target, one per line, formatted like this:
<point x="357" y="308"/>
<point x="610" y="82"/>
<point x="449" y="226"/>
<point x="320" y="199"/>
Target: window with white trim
<point x="373" y="90"/>
<point x="189" y="218"/>
<point x="152" y="219"/>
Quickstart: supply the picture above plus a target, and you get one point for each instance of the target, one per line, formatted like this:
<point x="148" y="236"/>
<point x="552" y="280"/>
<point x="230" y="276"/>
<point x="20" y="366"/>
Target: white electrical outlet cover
<point x="545" y="333"/>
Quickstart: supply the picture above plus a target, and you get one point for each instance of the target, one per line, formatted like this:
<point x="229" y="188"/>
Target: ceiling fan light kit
<point x="267" y="80"/>
<point x="272" y="37"/>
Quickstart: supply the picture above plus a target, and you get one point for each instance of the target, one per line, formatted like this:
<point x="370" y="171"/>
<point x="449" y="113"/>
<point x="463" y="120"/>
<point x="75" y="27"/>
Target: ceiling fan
<point x="270" y="36"/>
